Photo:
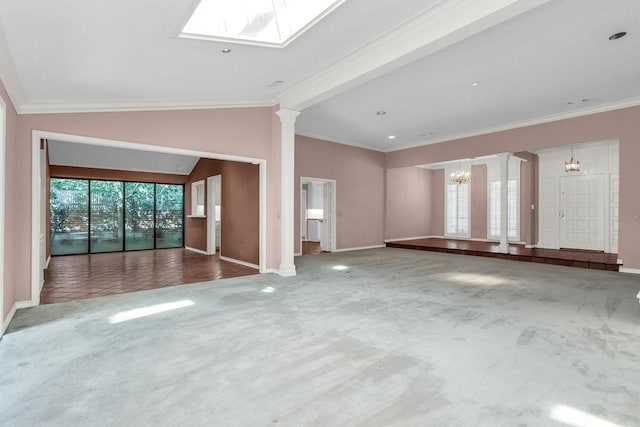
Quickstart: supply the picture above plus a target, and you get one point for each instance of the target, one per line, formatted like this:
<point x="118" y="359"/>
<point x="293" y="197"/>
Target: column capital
<point x="504" y="155"/>
<point x="287" y="115"/>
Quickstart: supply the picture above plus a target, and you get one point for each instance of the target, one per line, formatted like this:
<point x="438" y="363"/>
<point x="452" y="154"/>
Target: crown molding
<point x="339" y="141"/>
<point x="603" y="108"/>
<point x="123" y="106"/>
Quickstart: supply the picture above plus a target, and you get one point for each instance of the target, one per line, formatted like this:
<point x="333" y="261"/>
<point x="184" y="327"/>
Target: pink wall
<point x="408" y="203"/>
<point x="478" y="202"/>
<point x="240" y="211"/>
<point x="11" y="193"/>
<point x="437" y="202"/>
<point x="243" y="131"/>
<point x="359" y="176"/>
<point x="619" y="124"/>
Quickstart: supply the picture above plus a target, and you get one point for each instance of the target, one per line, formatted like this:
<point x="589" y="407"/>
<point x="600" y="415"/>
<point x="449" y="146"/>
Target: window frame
<point x="493" y="175"/>
<point x="447" y="184"/>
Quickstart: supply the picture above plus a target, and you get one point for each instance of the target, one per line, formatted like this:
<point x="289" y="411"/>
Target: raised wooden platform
<point x="568" y="257"/>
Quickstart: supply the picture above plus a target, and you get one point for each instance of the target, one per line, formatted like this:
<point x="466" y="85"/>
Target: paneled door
<point x="582" y="212"/>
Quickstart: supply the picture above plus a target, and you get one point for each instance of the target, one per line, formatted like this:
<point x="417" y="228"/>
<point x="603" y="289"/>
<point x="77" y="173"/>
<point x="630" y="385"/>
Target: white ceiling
<point x="527" y="68"/>
<point x="529" y="56"/>
<point x="63" y="153"/>
<point x="123" y="51"/>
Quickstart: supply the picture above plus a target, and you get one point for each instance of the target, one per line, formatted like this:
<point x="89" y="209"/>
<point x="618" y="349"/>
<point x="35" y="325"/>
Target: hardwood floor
<point x="77" y="277"/>
<point x="311" y="248"/>
<point x="572" y="258"/>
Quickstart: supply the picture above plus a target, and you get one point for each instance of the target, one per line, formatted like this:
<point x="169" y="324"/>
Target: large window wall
<point x="93" y="216"/>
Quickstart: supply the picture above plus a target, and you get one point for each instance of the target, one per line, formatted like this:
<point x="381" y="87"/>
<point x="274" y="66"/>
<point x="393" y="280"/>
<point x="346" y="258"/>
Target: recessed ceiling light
<point x="475" y="84"/>
<point x="585" y="99"/>
<point x="226" y="50"/>
<point x="391" y="137"/>
<point x="617" y="36"/>
<point x="381" y="113"/>
<point x="569" y="102"/>
<point x="427" y="134"/>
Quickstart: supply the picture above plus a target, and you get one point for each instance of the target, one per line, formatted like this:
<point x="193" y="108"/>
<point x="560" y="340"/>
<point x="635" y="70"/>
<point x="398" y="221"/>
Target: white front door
<point x="582" y="212"/>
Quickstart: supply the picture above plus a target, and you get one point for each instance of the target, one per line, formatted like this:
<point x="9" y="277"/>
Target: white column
<point x="503" y="158"/>
<point x="287" y="164"/>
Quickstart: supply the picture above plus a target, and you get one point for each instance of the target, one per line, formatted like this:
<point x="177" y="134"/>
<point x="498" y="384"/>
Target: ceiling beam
<point x="448" y="22"/>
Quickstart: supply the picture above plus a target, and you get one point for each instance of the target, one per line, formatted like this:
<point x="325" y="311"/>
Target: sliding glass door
<point x="169" y="215"/>
<point x="139" y="222"/>
<point x="106" y="216"/>
<point x="93" y="216"/>
<point x="69" y="218"/>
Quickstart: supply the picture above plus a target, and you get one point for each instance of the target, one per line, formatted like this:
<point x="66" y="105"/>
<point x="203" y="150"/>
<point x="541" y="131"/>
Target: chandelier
<point x="572" y="165"/>
<point x="460" y="176"/>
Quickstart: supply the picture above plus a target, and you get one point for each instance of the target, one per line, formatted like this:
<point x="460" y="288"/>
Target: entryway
<point x="317" y="215"/>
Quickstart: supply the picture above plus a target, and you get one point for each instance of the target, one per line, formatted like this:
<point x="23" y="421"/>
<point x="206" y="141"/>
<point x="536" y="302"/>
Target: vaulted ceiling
<point x="415" y="60"/>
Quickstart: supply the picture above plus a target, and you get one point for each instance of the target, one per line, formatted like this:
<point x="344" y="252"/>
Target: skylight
<point x="272" y="23"/>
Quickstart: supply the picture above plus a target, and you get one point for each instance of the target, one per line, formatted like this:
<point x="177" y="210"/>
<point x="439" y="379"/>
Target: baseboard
<point x="237" y="261"/>
<point x="196" y="250"/>
<point x="401" y="239"/>
<point x="298" y="254"/>
<point x="619" y="261"/>
<point x="16" y="306"/>
<point x="629" y="270"/>
<point x="530" y="246"/>
<point x="359" y="248"/>
<point x="46" y="264"/>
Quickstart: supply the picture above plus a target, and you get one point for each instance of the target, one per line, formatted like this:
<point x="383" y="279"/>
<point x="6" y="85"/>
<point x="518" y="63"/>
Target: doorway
<point x="579" y="209"/>
<point x="214" y="217"/>
<point x="317" y="215"/>
<point x="39" y="174"/>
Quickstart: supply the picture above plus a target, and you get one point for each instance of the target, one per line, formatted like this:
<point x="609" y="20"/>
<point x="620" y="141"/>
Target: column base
<point x="503" y="248"/>
<point x="287" y="270"/>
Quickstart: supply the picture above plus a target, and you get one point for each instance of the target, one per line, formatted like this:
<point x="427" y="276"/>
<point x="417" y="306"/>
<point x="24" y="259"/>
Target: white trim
<point x="200" y="251"/>
<point x="262" y="182"/>
<point x="334" y="217"/>
<point x="47" y="263"/>
<point x="211" y="216"/>
<point x="619" y="261"/>
<point x="339" y="141"/>
<point x="36" y="176"/>
<point x="270" y="271"/>
<point x="618" y="105"/>
<point x="3" y="180"/>
<point x="629" y="270"/>
<point x="7" y="320"/>
<point x="361" y="248"/>
<point x="237" y="261"/>
<point x="401" y="239"/>
<point x="530" y="246"/>
<point x="54" y="107"/>
<point x="298" y="254"/>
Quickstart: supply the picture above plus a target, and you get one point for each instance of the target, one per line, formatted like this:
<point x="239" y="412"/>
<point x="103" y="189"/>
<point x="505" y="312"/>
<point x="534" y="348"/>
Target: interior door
<point x="582" y="212"/>
<point x="325" y="234"/>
